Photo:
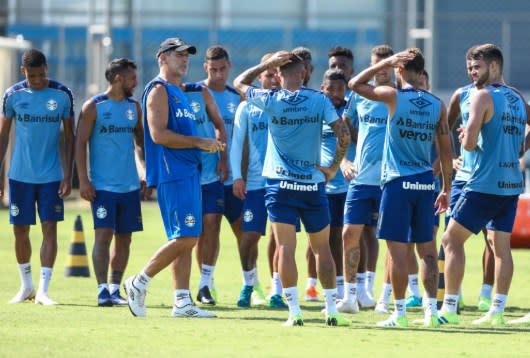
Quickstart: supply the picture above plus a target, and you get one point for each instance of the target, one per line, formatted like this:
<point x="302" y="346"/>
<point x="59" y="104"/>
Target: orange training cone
<point x="77" y="259"/>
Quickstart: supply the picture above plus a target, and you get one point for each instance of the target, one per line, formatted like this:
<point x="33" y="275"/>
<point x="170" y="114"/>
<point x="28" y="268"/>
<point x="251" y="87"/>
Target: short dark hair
<point x="296" y="61"/>
<point x="340" y="51"/>
<point x="33" y="58"/>
<point x="488" y="53"/>
<point x="417" y="64"/>
<point x="469" y="52"/>
<point x="382" y="51"/>
<point x="118" y="66"/>
<point x="303" y="52"/>
<point x="426" y="74"/>
<point x="334" y="74"/>
<point x="216" y="52"/>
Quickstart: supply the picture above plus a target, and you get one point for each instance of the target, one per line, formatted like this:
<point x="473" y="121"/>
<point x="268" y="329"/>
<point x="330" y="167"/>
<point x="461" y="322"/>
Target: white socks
<point x="206" y="275"/>
<point x="25" y="275"/>
<point x="291" y="296"/>
<point x="45" y="276"/>
<point x="141" y="281"/>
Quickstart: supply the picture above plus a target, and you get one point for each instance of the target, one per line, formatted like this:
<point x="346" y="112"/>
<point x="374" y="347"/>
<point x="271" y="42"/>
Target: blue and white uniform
<point x="227" y="102"/>
<point x="112" y="169"/>
<point x="36" y="172"/>
<point x="364" y="191"/>
<point x="175" y="172"/>
<point x="490" y="195"/>
<point x="406" y="173"/>
<point x="468" y="158"/>
<point x="250" y="125"/>
<point x="295" y="187"/>
<point x="213" y="195"/>
<point x="337" y="187"/>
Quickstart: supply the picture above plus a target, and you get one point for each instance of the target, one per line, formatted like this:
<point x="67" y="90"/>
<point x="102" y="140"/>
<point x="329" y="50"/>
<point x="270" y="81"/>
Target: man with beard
<point x="111" y="124"/>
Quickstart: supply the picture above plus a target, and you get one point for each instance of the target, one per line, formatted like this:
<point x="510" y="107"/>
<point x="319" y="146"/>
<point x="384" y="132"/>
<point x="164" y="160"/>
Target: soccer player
<point x="342" y="58"/>
<point x="217" y="66"/>
<point x="415" y="118"/>
<point x="334" y="86"/>
<point x="250" y="127"/>
<point x="111" y="124"/>
<point x="295" y="180"/>
<point x="463" y="165"/>
<point x="37" y="106"/>
<point x="495" y="132"/>
<point x="172" y="152"/>
<point x="364" y="192"/>
<point x="311" y="292"/>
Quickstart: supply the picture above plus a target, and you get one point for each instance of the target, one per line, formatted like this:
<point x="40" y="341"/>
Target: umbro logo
<point x="510" y="98"/>
<point x="295" y="99"/>
<point x="420" y="102"/>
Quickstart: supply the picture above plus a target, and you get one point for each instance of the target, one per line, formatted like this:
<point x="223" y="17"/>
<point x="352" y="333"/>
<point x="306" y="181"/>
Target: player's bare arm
<point x="157" y="118"/>
<point x="443" y="143"/>
<point x="220" y="131"/>
<point x="480" y="112"/>
<point x="343" y="141"/>
<point x="5" y="127"/>
<point x="85" y="126"/>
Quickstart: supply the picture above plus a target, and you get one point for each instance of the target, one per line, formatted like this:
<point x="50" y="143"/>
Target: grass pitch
<point x="77" y="327"/>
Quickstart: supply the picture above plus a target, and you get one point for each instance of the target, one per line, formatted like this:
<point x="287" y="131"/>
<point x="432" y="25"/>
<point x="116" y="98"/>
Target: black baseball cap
<point x="174" y="43"/>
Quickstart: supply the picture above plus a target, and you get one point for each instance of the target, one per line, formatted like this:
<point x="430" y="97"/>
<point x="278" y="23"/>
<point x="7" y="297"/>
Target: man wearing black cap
<point x="172" y="152"/>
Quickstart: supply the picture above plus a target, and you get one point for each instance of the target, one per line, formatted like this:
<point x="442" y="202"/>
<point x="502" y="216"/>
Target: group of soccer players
<point x="357" y="160"/>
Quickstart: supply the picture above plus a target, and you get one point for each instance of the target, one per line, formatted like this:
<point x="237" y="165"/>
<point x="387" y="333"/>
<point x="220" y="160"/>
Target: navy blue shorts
<point x="336" y="209"/>
<point x="22" y="199"/>
<point x="180" y="207"/>
<point x="456" y="191"/>
<point x="121" y="212"/>
<point x="233" y="205"/>
<point x="213" y="198"/>
<point x="406" y="204"/>
<point x="255" y="212"/>
<point x="287" y="201"/>
<point x="362" y="205"/>
<point x="477" y="210"/>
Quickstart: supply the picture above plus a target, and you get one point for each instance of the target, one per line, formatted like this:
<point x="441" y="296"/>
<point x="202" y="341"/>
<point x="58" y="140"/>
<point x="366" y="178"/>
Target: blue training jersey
<point x="227" y="102"/>
<point x="164" y="164"/>
<point x="295" y="131"/>
<point x="37" y="116"/>
<point x="371" y="117"/>
<point x="250" y="126"/>
<point x="468" y="158"/>
<point x="205" y="129"/>
<point x="112" y="159"/>
<point x="496" y="167"/>
<point x="338" y="184"/>
<point x="410" y="134"/>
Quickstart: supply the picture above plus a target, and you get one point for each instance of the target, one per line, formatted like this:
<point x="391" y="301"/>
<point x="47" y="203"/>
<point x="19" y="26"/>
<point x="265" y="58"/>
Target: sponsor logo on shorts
<point x="298" y="187"/>
<point x="248" y="216"/>
<point x="129" y="114"/>
<point x="101" y="212"/>
<point x="417" y="186"/>
<point x="51" y="105"/>
<point x="58" y="208"/>
<point x="189" y="220"/>
<point x="14" y="210"/>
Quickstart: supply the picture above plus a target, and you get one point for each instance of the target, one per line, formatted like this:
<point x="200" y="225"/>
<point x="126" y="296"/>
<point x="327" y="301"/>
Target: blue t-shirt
<point x="205" y="129"/>
<point x="37" y="115"/>
<point x="371" y="117"/>
<point x="338" y="184"/>
<point x="468" y="158"/>
<point x="227" y="102"/>
<point x="250" y="125"/>
<point x="112" y="160"/>
<point x="164" y="164"/>
<point x="410" y="134"/>
<point x="295" y="128"/>
<point x="496" y="167"/>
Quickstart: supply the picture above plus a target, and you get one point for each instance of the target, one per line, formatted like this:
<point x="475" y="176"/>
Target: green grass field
<point x="77" y="327"/>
